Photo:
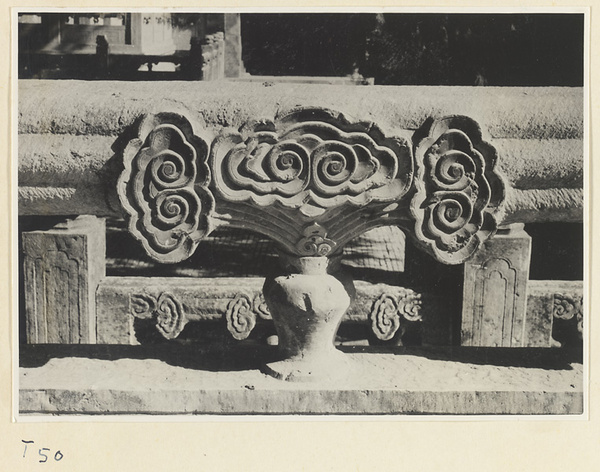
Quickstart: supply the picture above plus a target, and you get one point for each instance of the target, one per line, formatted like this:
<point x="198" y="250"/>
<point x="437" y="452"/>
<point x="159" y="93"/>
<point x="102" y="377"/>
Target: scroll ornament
<point x="163" y="187"/>
<point x="567" y="307"/>
<point x="166" y="311"/>
<point x="388" y="311"/>
<point x="311" y="180"/>
<point x="458" y="193"/>
<point x="312" y="159"/>
<point x="240" y="317"/>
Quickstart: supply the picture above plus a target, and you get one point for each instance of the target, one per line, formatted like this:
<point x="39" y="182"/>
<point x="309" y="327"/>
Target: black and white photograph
<point x="302" y="215"/>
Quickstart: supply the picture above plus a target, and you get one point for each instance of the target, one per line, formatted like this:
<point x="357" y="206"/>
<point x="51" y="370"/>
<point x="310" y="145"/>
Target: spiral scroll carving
<point x="385" y="320"/>
<point x="566" y="307"/>
<point x="166" y="311"/>
<point x="458" y="193"/>
<point x="389" y="310"/>
<point x="311" y="157"/>
<point x="260" y="307"/>
<point x="163" y="187"/>
<point x="315" y="242"/>
<point x="240" y="317"/>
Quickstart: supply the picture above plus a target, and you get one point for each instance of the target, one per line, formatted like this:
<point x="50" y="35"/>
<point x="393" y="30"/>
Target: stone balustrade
<point x="98" y="149"/>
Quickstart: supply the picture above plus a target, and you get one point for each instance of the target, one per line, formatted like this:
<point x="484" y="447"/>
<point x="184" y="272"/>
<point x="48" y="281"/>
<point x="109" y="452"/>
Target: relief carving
<point x="388" y="311"/>
<point x="494" y="293"/>
<point x="260" y="307"/>
<point x="240" y="317"/>
<point x="163" y="187"/>
<point x="568" y="307"/>
<point x="310" y="180"/>
<point x="315" y="242"/>
<point x="313" y="158"/>
<point x="166" y="311"/>
<point x="457" y="191"/>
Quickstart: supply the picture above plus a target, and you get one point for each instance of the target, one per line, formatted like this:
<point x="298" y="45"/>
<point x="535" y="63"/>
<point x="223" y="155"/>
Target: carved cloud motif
<point x="166" y="311"/>
<point x="310" y="157"/>
<point x="163" y="187"/>
<point x="458" y="192"/>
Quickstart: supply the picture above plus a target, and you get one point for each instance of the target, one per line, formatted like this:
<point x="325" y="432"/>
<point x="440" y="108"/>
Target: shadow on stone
<point x="251" y="355"/>
<point x="535" y="358"/>
<point x="216" y="359"/>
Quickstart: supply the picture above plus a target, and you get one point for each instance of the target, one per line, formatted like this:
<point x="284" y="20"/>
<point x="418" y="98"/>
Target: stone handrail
<point x="68" y="129"/>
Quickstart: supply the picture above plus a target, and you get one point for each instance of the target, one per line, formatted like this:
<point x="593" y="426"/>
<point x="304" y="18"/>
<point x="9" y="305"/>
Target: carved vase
<point x="307" y="306"/>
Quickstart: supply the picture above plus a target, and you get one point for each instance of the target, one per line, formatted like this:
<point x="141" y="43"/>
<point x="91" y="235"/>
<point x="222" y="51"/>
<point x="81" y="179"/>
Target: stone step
<point x="400" y="381"/>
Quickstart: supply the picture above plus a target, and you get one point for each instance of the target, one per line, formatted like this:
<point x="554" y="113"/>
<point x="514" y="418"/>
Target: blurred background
<point x="356" y="48"/>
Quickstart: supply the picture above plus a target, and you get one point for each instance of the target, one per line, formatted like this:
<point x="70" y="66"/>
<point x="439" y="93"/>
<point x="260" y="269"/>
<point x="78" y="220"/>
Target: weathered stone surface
<point x="270" y="80"/>
<point x="237" y="305"/>
<point x="80" y="200"/>
<point x="543" y="205"/>
<point x="121" y="300"/>
<point x="567" y="304"/>
<point x="541" y="163"/>
<point x="417" y="381"/>
<point x="87" y="108"/>
<point x="554" y="313"/>
<point x="240" y="303"/>
<point x="65" y="159"/>
<point x="62" y="269"/>
<point x="63" y="164"/>
<point x="459" y="193"/>
<point x="495" y="291"/>
<point x="307" y="307"/>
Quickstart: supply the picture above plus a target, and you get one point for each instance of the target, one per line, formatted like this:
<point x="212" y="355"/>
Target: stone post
<point x="495" y="291"/>
<point x="102" y="56"/>
<point x="62" y="269"/>
<point x="233" y="45"/>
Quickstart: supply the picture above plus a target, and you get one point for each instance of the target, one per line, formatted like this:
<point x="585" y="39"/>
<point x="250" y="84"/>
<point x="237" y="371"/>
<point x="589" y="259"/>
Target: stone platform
<point x="180" y="380"/>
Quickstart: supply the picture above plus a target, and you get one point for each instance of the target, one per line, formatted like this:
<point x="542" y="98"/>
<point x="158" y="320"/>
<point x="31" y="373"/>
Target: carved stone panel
<point x="311" y="180"/>
<point x="62" y="269"/>
<point x="495" y="292"/>
<point x="306" y="179"/>
<point x="171" y="304"/>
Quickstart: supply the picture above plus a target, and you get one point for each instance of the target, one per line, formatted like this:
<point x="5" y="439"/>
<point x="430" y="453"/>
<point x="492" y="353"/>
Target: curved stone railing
<point x="310" y="167"/>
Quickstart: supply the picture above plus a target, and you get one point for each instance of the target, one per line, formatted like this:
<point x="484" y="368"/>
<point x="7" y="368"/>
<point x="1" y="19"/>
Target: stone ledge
<point x="106" y="108"/>
<point x="416" y="382"/>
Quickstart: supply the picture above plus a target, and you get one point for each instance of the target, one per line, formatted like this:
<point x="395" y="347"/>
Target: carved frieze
<point x="170" y="315"/>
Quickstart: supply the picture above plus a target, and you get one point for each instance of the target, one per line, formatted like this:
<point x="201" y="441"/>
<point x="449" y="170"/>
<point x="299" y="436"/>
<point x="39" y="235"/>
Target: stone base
<point x="299" y="369"/>
<point x="177" y="380"/>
